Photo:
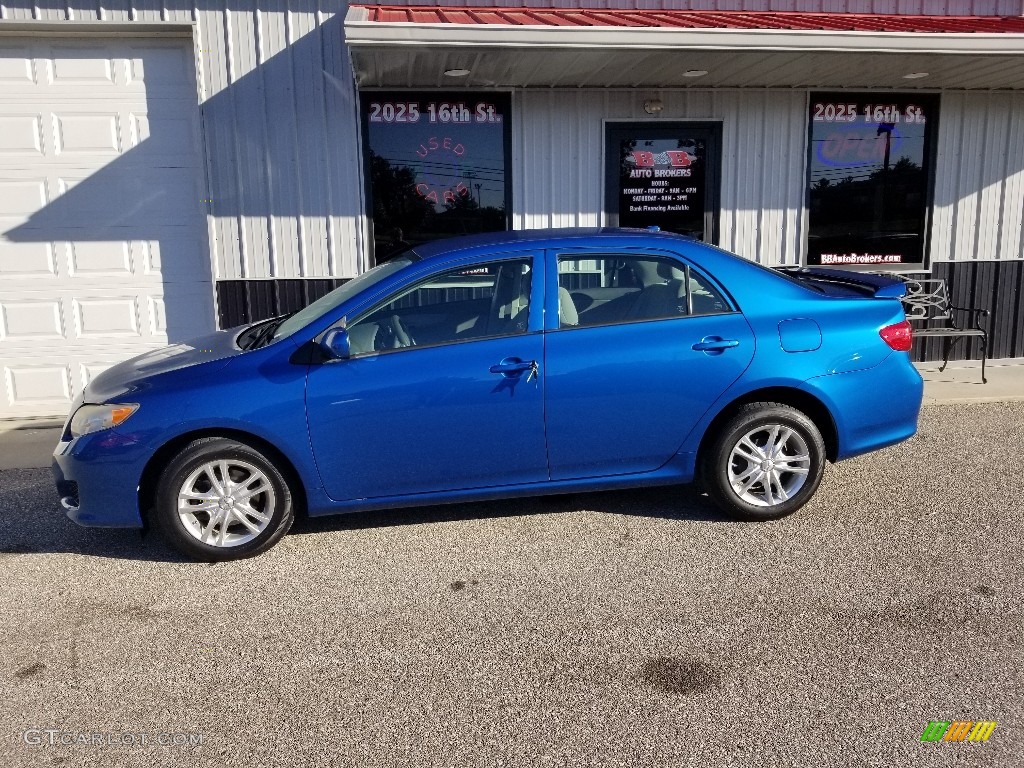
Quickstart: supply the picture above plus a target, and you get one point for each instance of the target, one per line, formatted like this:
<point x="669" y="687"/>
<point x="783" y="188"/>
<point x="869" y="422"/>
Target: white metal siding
<point x="979" y="184"/>
<point x="282" y="141"/>
<point x="558" y="174"/>
<point x="908" y="7"/>
<point x="281" y="129"/>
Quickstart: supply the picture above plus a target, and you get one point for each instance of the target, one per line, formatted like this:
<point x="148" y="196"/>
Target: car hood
<point x="131" y="375"/>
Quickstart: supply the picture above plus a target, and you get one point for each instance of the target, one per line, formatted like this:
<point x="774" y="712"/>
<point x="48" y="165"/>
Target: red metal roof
<point x="579" y="17"/>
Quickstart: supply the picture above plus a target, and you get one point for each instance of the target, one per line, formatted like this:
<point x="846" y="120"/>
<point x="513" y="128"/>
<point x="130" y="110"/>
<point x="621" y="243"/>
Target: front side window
<point x="461" y="304"/>
<point x="870" y="177"/>
<point x="610" y="289"/>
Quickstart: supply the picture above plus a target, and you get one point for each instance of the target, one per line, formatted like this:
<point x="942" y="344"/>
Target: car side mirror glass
<point x="335" y="344"/>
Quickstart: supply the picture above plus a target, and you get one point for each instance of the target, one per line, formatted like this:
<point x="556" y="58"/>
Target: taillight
<point x="899" y="336"/>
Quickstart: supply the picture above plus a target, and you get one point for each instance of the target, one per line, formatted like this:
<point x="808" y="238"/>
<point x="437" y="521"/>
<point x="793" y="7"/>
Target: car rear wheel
<point x="220" y="499"/>
<point x="765" y="463"/>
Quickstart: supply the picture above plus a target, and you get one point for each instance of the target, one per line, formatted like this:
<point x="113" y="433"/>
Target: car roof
<point x="541" y="238"/>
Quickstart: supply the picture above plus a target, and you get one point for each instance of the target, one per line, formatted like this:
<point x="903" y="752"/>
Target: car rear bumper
<point x="97" y="480"/>
<point x="874" y="407"/>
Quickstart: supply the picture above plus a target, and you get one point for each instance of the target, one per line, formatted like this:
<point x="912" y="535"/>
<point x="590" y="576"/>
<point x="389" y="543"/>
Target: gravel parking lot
<point x="612" y="629"/>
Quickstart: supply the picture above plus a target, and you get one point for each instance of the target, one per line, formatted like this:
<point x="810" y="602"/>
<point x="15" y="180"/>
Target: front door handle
<point x="715" y="344"/>
<point x="512" y="367"/>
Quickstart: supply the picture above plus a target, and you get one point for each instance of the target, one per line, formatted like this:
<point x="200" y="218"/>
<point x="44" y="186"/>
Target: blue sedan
<point x="513" y="364"/>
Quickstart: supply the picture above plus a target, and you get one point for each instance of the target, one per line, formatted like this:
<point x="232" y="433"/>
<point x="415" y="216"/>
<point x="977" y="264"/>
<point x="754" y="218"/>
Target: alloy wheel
<point x="769" y="465"/>
<point x="226" y="503"/>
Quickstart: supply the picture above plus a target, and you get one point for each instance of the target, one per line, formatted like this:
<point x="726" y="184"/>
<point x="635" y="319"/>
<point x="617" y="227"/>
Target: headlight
<point x="94" y="418"/>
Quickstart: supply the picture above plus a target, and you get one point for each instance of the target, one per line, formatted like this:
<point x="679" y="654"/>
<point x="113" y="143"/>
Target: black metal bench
<point x="927" y="303"/>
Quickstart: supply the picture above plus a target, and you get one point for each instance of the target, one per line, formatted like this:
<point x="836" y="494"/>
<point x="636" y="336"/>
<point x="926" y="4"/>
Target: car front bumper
<point x="97" y="478"/>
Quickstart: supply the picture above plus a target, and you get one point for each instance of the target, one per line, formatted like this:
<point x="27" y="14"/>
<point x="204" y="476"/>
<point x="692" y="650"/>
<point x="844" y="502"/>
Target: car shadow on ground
<point x="671" y="503"/>
<point x="32" y="521"/>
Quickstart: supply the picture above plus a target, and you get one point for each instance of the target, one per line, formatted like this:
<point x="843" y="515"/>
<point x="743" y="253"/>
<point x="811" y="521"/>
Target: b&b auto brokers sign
<point x="662" y="182"/>
<point x="658" y="183"/>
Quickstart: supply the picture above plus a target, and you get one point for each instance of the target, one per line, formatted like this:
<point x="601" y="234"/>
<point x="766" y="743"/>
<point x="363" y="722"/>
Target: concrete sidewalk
<point x="961" y="382"/>
<point x="28" y="443"/>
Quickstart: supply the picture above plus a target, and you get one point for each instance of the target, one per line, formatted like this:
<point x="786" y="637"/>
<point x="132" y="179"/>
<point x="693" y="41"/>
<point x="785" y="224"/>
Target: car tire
<point x="765" y="462"/>
<point x="208" y="520"/>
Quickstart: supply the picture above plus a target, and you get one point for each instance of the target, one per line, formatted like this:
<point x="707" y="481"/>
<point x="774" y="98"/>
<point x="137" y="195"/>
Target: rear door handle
<point x="715" y="344"/>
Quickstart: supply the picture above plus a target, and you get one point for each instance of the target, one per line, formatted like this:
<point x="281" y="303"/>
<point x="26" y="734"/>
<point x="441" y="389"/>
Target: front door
<point x="665" y="175"/>
<point x="440" y="393"/>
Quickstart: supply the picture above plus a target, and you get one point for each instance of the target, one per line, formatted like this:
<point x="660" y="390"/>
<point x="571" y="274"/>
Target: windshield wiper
<point x="263" y="335"/>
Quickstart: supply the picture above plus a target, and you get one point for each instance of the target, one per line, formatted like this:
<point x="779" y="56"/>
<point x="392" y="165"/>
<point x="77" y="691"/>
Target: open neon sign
<point x="857" y="145"/>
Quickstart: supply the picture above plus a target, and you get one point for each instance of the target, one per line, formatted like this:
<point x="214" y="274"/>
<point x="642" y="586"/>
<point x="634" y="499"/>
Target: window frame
<point x="534" y="317"/>
<point x="553" y="310"/>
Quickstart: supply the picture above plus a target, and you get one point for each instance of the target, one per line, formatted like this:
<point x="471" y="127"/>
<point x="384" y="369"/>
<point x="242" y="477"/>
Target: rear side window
<point x="704" y="297"/>
<point x="624" y="288"/>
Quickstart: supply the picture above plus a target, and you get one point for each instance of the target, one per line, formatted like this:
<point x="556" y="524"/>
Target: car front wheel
<point x="220" y="499"/>
<point x="765" y="463"/>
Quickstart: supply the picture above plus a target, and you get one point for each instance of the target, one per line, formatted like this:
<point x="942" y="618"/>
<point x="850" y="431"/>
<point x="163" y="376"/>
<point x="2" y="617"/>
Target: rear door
<point x="628" y="378"/>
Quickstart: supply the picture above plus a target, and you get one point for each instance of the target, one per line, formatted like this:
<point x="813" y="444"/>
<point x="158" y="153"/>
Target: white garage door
<point x="103" y="243"/>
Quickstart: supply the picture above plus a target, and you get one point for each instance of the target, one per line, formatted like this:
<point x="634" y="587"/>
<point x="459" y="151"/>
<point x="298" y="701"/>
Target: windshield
<point x="341" y="294"/>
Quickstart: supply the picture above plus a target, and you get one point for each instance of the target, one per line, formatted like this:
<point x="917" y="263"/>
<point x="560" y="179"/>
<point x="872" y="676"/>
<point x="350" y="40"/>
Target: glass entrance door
<point x="664" y="174"/>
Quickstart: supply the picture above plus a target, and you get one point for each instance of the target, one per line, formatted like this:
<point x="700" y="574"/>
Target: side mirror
<point x="335" y="344"/>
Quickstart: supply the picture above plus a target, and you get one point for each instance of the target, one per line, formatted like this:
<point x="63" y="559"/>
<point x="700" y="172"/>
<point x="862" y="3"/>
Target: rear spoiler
<point x="870" y="283"/>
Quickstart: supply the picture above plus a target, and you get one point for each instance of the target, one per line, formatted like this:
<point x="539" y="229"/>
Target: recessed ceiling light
<point x="695" y="73"/>
<point x="456" y="72"/>
<point x="915" y="75"/>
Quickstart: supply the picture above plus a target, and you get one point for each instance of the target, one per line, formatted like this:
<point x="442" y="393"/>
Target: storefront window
<point x="436" y="165"/>
<point x="870" y="178"/>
